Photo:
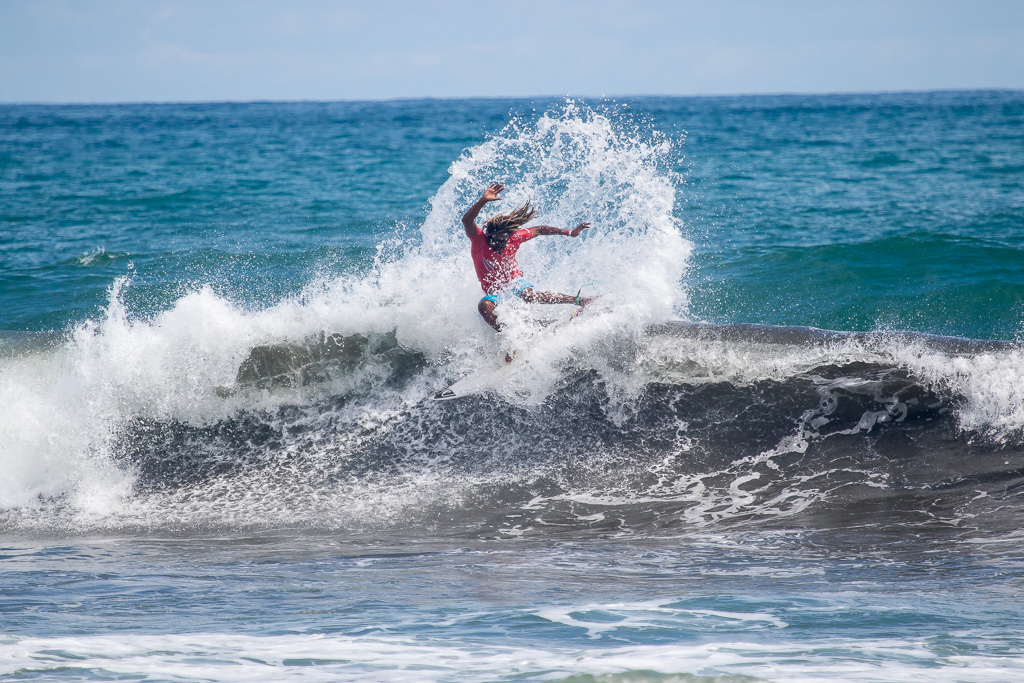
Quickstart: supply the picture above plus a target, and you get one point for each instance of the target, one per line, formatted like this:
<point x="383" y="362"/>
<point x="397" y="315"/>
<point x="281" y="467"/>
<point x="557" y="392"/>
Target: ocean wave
<point x="315" y="411"/>
<point x="686" y="425"/>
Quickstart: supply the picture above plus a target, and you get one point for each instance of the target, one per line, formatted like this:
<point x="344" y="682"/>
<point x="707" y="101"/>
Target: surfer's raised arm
<point x="551" y="230"/>
<point x="469" y="218"/>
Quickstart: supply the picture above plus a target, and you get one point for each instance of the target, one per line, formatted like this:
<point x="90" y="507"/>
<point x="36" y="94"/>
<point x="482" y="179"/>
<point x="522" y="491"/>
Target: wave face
<point x="683" y="426"/>
<point x="633" y="419"/>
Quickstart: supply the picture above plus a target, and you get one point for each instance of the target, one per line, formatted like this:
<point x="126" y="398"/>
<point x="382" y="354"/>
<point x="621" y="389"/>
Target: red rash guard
<point x="497" y="270"/>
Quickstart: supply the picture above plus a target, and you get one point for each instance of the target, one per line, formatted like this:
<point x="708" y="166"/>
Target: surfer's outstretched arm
<point x="551" y="230"/>
<point x="469" y="218"/>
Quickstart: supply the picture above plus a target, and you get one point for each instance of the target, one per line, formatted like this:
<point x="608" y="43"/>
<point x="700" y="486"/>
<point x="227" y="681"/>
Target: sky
<point x="230" y="50"/>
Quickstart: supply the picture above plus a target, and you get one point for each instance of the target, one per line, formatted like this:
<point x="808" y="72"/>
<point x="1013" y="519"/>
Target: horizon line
<point x="426" y="98"/>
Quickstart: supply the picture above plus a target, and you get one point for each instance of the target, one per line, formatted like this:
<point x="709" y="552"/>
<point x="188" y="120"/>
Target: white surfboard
<point x="479" y="381"/>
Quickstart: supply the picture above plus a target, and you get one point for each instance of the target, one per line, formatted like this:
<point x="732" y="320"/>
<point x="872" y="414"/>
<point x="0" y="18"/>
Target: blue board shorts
<point x="512" y="289"/>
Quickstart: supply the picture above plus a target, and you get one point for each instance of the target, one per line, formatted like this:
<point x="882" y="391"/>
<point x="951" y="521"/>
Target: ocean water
<point x="786" y="443"/>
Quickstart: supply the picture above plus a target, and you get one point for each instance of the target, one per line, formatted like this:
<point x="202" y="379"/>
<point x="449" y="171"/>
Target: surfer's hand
<point x="492" y="192"/>
<point x="575" y="232"/>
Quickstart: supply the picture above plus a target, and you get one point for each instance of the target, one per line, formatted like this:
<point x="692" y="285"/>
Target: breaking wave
<point x="315" y="412"/>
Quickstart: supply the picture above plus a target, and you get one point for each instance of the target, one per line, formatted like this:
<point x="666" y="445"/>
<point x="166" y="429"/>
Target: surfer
<point x="494" y="255"/>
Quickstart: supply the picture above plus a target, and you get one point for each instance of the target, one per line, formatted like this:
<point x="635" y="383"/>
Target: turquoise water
<point x="785" y="443"/>
<point x="895" y="211"/>
<point x="900" y="211"/>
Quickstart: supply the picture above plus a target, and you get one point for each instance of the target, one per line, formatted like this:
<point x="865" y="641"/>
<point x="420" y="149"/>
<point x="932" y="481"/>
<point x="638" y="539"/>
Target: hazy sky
<point x="184" y="50"/>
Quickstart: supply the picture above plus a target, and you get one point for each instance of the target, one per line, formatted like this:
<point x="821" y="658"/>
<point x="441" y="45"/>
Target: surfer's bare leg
<point x="486" y="308"/>
<point x="532" y="297"/>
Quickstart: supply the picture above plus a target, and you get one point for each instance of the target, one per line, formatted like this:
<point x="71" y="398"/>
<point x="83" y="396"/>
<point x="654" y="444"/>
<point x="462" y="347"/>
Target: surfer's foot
<point x="584" y="301"/>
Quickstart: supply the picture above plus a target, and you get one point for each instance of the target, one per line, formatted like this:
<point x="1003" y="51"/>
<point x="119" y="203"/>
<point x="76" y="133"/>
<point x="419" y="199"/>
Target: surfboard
<point x="481" y="380"/>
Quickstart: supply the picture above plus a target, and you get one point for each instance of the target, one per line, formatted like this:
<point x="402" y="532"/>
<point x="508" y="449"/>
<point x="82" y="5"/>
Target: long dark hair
<point x="505" y="224"/>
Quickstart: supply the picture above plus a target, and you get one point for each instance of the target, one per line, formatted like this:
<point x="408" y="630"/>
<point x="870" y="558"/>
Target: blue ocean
<point x="785" y="442"/>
